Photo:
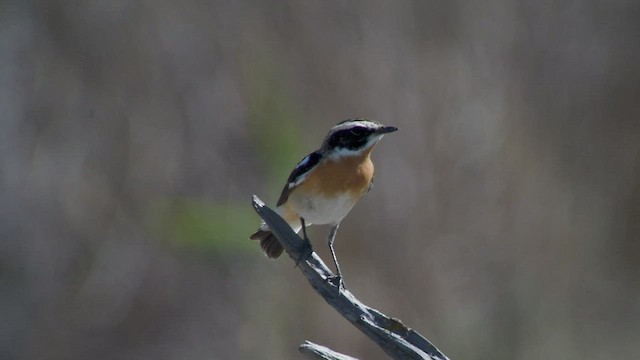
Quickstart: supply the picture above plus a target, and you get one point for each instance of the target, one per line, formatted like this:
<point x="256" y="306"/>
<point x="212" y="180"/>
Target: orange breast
<point x="352" y="174"/>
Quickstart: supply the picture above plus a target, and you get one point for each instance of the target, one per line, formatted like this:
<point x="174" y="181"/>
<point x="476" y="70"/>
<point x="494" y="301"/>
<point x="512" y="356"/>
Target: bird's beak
<point x="386" y="129"/>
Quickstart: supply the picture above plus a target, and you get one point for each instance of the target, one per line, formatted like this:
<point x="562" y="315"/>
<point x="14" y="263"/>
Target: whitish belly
<point x="320" y="210"/>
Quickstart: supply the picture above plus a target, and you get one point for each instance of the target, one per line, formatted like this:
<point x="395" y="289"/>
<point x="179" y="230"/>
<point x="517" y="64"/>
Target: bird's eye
<point x="358" y="131"/>
<point x="349" y="138"/>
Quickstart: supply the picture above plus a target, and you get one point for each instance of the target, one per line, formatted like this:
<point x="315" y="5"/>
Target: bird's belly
<point x="323" y="210"/>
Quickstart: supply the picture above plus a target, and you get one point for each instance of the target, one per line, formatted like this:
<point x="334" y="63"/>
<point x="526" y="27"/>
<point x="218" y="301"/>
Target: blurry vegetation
<point x="274" y="121"/>
<point x="273" y="117"/>
<point x="219" y="229"/>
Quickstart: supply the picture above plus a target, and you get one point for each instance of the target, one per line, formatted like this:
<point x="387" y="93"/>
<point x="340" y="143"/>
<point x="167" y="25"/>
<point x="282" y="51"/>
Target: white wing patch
<point x="300" y="178"/>
<point x="303" y="169"/>
<point x="303" y="162"/>
<point x="299" y="174"/>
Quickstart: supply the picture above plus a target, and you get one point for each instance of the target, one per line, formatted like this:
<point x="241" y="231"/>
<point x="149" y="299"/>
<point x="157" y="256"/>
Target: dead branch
<point x="395" y="339"/>
<point x="315" y="351"/>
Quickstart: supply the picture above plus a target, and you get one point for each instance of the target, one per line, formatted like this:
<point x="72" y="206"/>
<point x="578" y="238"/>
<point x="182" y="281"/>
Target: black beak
<point x="386" y="129"/>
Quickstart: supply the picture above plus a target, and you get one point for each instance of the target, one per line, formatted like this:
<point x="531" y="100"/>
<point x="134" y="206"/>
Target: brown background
<point x="504" y="223"/>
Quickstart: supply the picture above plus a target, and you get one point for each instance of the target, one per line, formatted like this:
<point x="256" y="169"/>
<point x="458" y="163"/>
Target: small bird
<point x="327" y="183"/>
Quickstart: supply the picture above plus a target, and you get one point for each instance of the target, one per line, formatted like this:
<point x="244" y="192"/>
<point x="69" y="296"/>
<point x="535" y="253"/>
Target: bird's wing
<point x="299" y="173"/>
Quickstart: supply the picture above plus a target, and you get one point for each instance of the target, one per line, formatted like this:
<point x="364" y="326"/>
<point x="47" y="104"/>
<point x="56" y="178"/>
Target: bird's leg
<point x="304" y="229"/>
<point x="330" y="240"/>
<point x="305" y="249"/>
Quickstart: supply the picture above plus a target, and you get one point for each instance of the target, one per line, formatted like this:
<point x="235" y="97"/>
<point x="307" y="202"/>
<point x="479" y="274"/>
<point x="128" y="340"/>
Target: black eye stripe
<point x="351" y="138"/>
<point x="357" y="131"/>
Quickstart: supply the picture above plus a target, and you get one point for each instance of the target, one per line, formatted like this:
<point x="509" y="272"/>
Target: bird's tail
<point x="268" y="242"/>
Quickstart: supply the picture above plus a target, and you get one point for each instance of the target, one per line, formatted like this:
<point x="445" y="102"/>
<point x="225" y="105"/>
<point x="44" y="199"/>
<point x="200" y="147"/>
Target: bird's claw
<point x="336" y="280"/>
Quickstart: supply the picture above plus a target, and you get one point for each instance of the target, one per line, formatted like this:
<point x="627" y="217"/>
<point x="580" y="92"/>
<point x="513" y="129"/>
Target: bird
<point x="326" y="184"/>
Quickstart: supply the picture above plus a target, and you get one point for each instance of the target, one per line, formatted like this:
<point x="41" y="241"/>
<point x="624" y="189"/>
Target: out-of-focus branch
<point x="315" y="351"/>
<point x="397" y="340"/>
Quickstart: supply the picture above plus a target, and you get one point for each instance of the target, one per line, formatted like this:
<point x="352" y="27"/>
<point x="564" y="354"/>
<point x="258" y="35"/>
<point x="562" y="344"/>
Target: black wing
<point x="298" y="174"/>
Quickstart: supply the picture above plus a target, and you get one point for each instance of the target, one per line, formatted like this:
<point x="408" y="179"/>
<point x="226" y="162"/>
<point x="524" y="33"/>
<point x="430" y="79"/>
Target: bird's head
<point x="352" y="137"/>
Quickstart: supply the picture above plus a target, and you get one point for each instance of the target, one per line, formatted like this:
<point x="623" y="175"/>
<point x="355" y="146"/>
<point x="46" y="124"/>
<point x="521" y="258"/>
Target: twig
<point x="315" y="351"/>
<point x="395" y="339"/>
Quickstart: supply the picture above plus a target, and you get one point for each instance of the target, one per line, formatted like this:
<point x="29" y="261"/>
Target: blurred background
<point x="504" y="222"/>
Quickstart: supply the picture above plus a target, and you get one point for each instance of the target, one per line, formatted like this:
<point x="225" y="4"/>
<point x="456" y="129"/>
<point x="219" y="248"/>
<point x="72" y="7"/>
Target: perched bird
<point x="327" y="183"/>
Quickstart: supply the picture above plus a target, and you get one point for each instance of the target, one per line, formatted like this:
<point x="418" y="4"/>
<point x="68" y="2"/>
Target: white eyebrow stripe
<point x="349" y="124"/>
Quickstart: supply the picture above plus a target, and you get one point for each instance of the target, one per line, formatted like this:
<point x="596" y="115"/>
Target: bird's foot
<point x="336" y="280"/>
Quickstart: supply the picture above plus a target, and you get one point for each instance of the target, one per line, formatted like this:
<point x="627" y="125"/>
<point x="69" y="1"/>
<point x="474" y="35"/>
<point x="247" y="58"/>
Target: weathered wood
<point x="395" y="339"/>
<point x="315" y="351"/>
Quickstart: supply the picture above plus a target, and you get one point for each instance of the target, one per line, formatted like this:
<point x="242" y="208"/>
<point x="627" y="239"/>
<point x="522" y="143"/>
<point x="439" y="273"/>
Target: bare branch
<point x="397" y="340"/>
<point x="315" y="351"/>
